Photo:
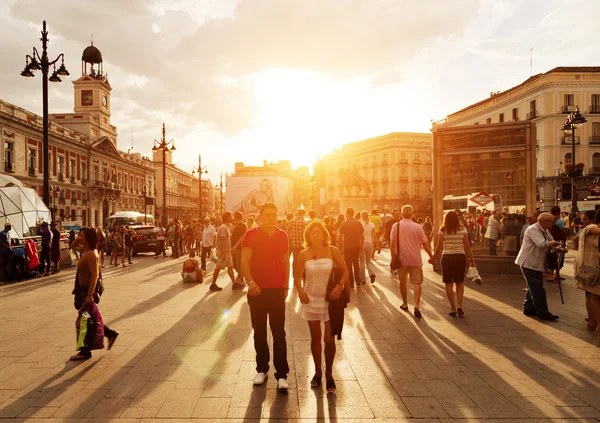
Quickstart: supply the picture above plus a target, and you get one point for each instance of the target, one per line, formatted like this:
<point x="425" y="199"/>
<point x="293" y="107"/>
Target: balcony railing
<point x="594" y="171"/>
<point x="73" y="201"/>
<point x="32" y="171"/>
<point x="84" y="202"/>
<point x="568" y="109"/>
<point x="72" y="179"/>
<point x="595" y="139"/>
<point x="61" y="200"/>
<point x="417" y="161"/>
<point x="569" y="140"/>
<point x="84" y="181"/>
<point x="595" y="108"/>
<point x="9" y="167"/>
<point x="61" y="177"/>
<point x="532" y="114"/>
<point x="403" y="177"/>
<point x="403" y="161"/>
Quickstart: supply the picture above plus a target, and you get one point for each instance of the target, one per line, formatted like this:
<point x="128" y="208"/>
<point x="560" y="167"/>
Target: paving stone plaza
<point x="186" y="354"/>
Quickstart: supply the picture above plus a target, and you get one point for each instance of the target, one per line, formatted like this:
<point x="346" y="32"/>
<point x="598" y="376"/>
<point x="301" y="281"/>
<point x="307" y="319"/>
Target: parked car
<point x="145" y="239"/>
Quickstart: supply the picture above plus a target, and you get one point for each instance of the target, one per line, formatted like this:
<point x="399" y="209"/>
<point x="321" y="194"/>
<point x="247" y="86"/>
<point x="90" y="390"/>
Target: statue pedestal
<point x="357" y="202"/>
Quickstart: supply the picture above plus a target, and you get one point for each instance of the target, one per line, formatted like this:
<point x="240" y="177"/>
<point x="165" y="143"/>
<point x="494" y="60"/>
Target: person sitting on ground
<point x="191" y="271"/>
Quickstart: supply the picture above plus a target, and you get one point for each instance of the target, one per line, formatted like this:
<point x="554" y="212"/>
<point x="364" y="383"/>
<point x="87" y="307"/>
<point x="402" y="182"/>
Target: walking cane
<point x="560" y="256"/>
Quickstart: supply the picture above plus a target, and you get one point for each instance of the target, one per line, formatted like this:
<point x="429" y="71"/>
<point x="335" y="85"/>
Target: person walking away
<point x="101" y="247"/>
<point x="129" y="244"/>
<point x="190" y="269"/>
<point x="428" y="229"/>
<point x="55" y="247"/>
<point x="295" y="232"/>
<point x="376" y="220"/>
<point x="533" y="262"/>
<point x="368" y="250"/>
<point x="224" y="257"/>
<point x="122" y="246"/>
<point x="330" y="228"/>
<point x="86" y="279"/>
<point x="6" y="249"/>
<point x="71" y="239"/>
<point x="266" y="267"/>
<point x="492" y="232"/>
<point x="237" y="237"/>
<point x="113" y="246"/>
<point x="511" y="235"/>
<point x="46" y="245"/>
<point x="160" y="243"/>
<point x="209" y="237"/>
<point x="588" y="253"/>
<point x="351" y="240"/>
<point x="411" y="239"/>
<point x="317" y="261"/>
<point x="198" y="230"/>
<point x="454" y="247"/>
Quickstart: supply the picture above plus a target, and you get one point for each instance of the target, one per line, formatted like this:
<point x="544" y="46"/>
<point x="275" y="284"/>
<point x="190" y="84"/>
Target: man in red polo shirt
<point x="266" y="267"/>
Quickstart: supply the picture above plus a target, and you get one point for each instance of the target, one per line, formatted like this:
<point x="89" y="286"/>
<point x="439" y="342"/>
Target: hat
<point x="52" y="223"/>
<point x="7" y="223"/>
<point x="44" y="223"/>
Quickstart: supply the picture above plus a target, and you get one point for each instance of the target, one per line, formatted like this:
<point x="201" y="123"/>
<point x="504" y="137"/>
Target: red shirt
<point x="266" y="264"/>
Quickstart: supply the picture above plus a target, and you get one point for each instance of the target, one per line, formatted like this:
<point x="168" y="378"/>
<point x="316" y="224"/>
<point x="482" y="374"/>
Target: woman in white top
<point x="367" y="253"/>
<point x="454" y="247"/>
<point x="317" y="260"/>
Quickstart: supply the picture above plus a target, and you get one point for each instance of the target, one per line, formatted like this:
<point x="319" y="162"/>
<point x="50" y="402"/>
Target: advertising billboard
<point x="248" y="193"/>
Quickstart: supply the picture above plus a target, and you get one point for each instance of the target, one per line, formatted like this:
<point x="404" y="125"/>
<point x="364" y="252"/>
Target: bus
<point x="464" y="203"/>
<point x="129" y="218"/>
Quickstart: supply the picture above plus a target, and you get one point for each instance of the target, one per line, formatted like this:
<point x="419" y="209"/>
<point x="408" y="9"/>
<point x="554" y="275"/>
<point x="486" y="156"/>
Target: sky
<point x="254" y="80"/>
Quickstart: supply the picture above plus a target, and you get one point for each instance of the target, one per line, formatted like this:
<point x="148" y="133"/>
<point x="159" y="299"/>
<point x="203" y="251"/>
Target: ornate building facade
<point x="90" y="177"/>
<point x="380" y="173"/>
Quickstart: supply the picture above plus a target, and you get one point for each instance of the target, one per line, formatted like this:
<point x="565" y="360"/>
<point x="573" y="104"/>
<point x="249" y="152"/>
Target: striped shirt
<point x="453" y="243"/>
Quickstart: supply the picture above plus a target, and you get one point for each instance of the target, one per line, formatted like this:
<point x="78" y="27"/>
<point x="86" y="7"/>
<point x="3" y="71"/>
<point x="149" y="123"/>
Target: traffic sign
<point x="482" y="199"/>
<point x="594" y="189"/>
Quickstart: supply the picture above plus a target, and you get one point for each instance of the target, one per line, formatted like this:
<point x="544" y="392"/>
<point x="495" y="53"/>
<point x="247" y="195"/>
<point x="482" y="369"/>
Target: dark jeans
<point x="270" y="303"/>
<point x="175" y="247"/>
<point x="160" y="248"/>
<point x="128" y="251"/>
<point x="351" y="256"/>
<point x="535" y="297"/>
<point x="493" y="247"/>
<point x="45" y="260"/>
<point x="205" y="254"/>
<point x="109" y="333"/>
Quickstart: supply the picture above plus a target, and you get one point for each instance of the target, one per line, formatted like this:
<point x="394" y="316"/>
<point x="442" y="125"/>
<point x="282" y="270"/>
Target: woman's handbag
<point x="89" y="328"/>
<point x="588" y="274"/>
<point x="396" y="263"/>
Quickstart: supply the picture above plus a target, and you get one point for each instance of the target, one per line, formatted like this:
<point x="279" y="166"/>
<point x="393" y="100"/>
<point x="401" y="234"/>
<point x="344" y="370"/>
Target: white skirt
<point x="317" y="309"/>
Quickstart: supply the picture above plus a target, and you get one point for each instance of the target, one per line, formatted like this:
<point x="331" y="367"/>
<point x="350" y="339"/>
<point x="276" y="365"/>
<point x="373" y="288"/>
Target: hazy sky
<point x="247" y="80"/>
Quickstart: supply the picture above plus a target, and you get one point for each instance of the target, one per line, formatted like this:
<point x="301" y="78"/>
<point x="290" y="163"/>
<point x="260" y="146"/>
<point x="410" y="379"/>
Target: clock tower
<point x="92" y="95"/>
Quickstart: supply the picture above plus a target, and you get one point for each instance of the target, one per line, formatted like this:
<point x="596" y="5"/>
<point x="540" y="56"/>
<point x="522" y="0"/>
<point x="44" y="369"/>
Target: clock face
<point x="87" y="98"/>
<point x="104" y="100"/>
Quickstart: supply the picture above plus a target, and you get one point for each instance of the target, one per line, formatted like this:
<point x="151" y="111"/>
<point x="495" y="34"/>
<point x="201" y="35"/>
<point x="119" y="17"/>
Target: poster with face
<point x="248" y="193"/>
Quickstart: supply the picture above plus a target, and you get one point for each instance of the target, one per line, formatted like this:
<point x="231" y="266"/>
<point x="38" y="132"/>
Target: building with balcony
<point x="393" y="170"/>
<point x="546" y="99"/>
<point x="95" y="178"/>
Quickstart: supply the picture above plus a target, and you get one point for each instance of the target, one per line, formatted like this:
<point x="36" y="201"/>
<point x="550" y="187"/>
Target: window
<point x="501" y="117"/>
<point x="73" y="215"/>
<point x="32" y="161"/>
<point x="476" y="123"/>
<point x="131" y="182"/>
<point x="427" y="157"/>
<point x="61" y="166"/>
<point x="9" y="156"/>
<point x="596" y="131"/>
<point x="568" y="159"/>
<point x="595" y="106"/>
<point x="403" y="156"/>
<point x="570" y="100"/>
<point x="532" y="106"/>
<point x="515" y="114"/>
<point x="403" y="172"/>
<point x="417" y="191"/>
<point x="417" y="172"/>
<point x="96" y="173"/>
<point x="83" y="171"/>
<point x="488" y="120"/>
<point x="596" y="162"/>
<point x="385" y="158"/>
<point x="72" y="169"/>
<point x="416" y="157"/>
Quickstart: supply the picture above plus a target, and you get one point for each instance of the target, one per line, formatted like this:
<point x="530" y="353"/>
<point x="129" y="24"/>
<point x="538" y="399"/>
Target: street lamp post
<point x="574" y="120"/>
<point x="163" y="145"/>
<point x="200" y="170"/>
<point x="144" y="194"/>
<point x="40" y="62"/>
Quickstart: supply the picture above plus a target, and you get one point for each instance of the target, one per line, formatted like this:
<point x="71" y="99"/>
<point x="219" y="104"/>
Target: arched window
<point x="568" y="159"/>
<point x="596" y="162"/>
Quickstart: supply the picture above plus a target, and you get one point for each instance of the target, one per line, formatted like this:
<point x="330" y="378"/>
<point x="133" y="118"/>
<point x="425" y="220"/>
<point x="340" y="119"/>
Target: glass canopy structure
<point x="21" y="206"/>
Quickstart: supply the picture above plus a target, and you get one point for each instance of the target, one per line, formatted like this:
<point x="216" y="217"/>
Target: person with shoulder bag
<point x="88" y="283"/>
<point x="587" y="271"/>
<point x="454" y="247"/>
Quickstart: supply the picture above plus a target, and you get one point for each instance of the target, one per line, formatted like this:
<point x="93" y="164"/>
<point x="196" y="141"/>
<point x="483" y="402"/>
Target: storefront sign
<point x="594" y="189"/>
<point x="475" y="172"/>
<point x="482" y="199"/>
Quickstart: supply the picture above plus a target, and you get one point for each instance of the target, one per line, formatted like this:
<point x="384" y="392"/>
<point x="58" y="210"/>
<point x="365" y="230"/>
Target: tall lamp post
<point x="144" y="196"/>
<point x="163" y="145"/>
<point x="200" y="170"/>
<point x="40" y="62"/>
<point x="574" y="120"/>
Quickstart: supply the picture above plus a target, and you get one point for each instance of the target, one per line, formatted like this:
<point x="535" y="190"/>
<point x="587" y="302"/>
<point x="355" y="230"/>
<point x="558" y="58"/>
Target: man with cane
<point x="533" y="262"/>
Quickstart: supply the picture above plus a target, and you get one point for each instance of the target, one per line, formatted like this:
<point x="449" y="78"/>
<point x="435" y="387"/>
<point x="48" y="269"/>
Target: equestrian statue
<point x="352" y="179"/>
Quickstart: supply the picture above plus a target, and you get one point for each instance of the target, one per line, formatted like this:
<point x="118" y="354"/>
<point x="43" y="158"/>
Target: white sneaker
<point x="282" y="384"/>
<point x="260" y="378"/>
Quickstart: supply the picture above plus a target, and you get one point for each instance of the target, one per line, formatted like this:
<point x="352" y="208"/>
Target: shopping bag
<point x="89" y="328"/>
<point x="473" y="275"/>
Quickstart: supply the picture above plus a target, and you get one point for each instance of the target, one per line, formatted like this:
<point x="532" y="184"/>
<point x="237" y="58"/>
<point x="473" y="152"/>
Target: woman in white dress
<point x="318" y="260"/>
